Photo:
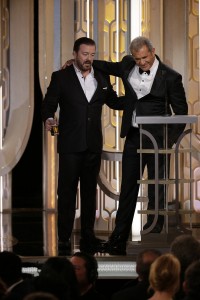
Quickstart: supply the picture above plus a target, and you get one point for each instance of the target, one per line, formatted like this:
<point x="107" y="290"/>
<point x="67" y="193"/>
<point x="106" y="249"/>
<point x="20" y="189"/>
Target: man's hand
<point x="49" y="123"/>
<point x="68" y="63"/>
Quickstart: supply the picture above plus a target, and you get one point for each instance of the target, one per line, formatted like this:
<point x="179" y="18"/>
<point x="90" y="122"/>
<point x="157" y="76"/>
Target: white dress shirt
<point x="142" y="83"/>
<point x="88" y="83"/>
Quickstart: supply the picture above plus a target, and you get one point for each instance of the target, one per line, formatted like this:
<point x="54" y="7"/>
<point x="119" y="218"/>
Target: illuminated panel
<point x="117" y="269"/>
<point x="135" y="18"/>
<point x="106" y="269"/>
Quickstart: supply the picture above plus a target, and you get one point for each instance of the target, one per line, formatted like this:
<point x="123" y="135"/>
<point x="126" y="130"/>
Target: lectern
<point x="175" y="181"/>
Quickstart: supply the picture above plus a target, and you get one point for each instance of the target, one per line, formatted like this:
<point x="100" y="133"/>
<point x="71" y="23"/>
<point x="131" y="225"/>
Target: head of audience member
<point x="40" y="296"/>
<point x="143" y="262"/>
<point x="3" y="289"/>
<point x="86" y="269"/>
<point x="143" y="52"/>
<point x="191" y="284"/>
<point x="58" y="277"/>
<point x="10" y="268"/>
<point x="187" y="249"/>
<point x="84" y="51"/>
<point x="164" y="277"/>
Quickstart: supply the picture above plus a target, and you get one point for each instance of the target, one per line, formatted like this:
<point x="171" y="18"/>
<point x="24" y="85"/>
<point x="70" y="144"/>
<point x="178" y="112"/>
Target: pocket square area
<point x="105" y="88"/>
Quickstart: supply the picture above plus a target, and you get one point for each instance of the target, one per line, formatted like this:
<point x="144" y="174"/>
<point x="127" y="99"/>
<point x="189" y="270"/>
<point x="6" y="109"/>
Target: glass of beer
<point x="54" y="129"/>
<point x="54" y="126"/>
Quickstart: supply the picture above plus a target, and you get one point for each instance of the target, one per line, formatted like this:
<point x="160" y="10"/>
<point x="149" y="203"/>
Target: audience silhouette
<point x="86" y="268"/>
<point x="58" y="277"/>
<point x="170" y="275"/>
<point x="187" y="249"/>
<point x="191" y="284"/>
<point x="138" y="288"/>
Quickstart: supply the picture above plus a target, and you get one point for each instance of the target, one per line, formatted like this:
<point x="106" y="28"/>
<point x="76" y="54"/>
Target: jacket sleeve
<point x="50" y="102"/>
<point x="115" y="68"/>
<point x="112" y="99"/>
<point x="109" y="68"/>
<point x="176" y="96"/>
<point x="177" y="100"/>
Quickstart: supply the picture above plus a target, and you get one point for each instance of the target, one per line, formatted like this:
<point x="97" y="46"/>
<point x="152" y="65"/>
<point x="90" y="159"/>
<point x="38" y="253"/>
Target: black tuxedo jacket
<point x="167" y="95"/>
<point x="138" y="291"/>
<point x="79" y="120"/>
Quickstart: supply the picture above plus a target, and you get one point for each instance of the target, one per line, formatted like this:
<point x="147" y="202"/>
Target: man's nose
<point x="90" y="57"/>
<point x="142" y="61"/>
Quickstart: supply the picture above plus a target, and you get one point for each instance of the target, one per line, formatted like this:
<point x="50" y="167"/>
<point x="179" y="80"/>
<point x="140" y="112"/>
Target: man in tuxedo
<point x="80" y="91"/>
<point x="154" y="90"/>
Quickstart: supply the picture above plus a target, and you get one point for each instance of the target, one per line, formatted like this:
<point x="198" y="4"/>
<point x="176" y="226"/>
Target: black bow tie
<point x="141" y="71"/>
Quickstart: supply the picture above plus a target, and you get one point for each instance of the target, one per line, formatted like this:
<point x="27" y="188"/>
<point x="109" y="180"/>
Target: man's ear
<point x="185" y="287"/>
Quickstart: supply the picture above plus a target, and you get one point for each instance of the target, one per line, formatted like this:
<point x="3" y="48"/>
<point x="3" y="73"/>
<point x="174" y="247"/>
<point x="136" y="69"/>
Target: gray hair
<point x="139" y="42"/>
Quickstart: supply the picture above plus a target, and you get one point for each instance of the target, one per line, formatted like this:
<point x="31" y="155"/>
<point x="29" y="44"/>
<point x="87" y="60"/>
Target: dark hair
<point x="83" y="40"/>
<point x="187" y="249"/>
<point x="10" y="267"/>
<point x="58" y="277"/>
<point x="143" y="264"/>
<point x="40" y="296"/>
<point x="91" y="265"/>
<point x="192" y="279"/>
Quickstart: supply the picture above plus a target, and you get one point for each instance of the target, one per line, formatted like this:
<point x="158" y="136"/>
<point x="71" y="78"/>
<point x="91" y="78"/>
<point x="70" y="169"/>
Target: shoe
<point x="157" y="228"/>
<point x="92" y="245"/>
<point x="64" y="248"/>
<point x="116" y="245"/>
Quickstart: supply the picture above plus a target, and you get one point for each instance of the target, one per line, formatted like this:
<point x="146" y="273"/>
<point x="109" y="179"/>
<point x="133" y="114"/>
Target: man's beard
<point x="85" y="66"/>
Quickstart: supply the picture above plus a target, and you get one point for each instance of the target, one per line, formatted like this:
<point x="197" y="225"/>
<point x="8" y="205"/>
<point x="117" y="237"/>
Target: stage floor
<point x="109" y="266"/>
<point x="26" y="235"/>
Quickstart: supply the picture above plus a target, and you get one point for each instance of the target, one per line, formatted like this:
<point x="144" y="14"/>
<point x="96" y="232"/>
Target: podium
<point x="177" y="181"/>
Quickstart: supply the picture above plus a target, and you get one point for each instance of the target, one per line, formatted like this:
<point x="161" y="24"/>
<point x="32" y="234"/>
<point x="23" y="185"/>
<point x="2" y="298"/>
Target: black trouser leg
<point x="88" y="191"/>
<point x="69" y="172"/>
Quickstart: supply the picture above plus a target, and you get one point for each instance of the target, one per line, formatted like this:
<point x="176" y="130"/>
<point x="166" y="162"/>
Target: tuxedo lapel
<point x="126" y="75"/>
<point x="101" y="84"/>
<point x="131" y="89"/>
<point x="158" y="80"/>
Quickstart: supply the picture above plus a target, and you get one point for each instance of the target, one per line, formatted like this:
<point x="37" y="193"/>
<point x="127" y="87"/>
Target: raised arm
<point x="110" y="68"/>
